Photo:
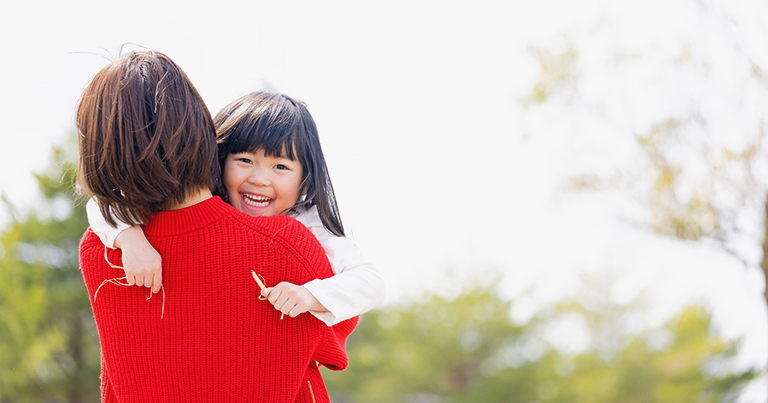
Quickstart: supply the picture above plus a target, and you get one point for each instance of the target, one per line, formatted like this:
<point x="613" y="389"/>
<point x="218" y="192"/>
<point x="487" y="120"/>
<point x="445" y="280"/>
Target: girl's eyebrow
<point x="284" y="154"/>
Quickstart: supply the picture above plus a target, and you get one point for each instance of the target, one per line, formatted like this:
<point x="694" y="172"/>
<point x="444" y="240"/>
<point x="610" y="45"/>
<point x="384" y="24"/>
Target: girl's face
<point x="259" y="185"/>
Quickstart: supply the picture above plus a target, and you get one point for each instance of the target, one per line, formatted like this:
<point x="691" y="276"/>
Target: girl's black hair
<point x="282" y="127"/>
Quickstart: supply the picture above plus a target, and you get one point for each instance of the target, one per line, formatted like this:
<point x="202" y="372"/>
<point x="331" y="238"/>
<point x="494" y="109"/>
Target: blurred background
<point x="567" y="199"/>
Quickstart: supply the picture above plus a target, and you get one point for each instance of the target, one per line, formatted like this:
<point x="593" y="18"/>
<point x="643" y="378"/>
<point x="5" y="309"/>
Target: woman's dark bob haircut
<point x="146" y="138"/>
<point x="282" y="127"/>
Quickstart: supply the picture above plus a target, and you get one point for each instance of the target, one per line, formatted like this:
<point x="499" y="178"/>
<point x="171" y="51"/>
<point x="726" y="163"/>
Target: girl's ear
<point x="303" y="189"/>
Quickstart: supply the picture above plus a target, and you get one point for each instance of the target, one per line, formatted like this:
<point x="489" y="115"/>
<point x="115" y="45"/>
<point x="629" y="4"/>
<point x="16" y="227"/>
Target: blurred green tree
<point x="683" y="360"/>
<point x="462" y="348"/>
<point x="50" y="349"/>
<point x="467" y="349"/>
<point x="437" y="347"/>
<point x="702" y="145"/>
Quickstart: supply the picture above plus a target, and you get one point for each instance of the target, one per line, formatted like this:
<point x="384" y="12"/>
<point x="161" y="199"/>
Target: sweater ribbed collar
<point x="188" y="219"/>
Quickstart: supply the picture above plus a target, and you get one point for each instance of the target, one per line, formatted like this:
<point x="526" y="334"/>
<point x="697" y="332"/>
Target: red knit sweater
<point x="216" y="341"/>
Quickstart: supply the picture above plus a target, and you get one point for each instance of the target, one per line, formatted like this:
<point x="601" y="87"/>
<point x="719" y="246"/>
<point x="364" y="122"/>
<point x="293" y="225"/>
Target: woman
<point x="147" y="154"/>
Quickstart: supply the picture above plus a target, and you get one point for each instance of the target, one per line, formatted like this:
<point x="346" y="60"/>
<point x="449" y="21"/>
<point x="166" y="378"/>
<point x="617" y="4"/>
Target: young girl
<point x="272" y="163"/>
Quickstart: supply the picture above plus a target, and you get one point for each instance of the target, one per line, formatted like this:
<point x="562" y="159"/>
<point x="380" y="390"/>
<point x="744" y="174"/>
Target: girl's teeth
<point x="256" y="201"/>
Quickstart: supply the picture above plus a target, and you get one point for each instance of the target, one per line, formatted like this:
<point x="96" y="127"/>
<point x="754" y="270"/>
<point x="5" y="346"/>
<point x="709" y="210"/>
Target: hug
<point x="185" y="212"/>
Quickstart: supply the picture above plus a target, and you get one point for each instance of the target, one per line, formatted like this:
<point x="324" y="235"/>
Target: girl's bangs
<point x="277" y="140"/>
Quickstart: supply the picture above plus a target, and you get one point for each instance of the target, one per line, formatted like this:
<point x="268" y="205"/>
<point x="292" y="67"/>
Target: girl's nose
<point x="259" y="178"/>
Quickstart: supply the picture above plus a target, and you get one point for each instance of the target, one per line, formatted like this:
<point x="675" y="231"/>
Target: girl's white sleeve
<point x="99" y="225"/>
<point x="356" y="287"/>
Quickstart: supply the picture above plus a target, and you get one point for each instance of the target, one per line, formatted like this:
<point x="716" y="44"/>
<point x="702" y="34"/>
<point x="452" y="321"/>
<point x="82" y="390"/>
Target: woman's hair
<point x="281" y="126"/>
<point x="146" y="138"/>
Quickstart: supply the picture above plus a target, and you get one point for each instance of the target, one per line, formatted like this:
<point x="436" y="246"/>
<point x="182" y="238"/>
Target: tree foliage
<point x="457" y="348"/>
<point x="692" y="109"/>
<point x="689" y="101"/>
<point x="467" y="349"/>
<point x="50" y="350"/>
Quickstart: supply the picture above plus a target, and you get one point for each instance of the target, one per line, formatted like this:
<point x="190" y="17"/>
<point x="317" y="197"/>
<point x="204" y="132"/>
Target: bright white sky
<point x="435" y="163"/>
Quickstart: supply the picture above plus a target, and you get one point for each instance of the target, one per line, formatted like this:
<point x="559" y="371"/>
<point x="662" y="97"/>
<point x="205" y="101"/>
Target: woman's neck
<point x="192" y="199"/>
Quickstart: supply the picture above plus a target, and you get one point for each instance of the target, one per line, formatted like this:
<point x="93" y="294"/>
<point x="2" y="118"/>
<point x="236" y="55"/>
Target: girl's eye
<point x="281" y="166"/>
<point x="245" y="160"/>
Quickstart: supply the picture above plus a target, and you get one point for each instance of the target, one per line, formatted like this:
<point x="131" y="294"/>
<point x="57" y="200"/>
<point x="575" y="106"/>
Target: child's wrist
<point x="128" y="236"/>
<point x="315" y="305"/>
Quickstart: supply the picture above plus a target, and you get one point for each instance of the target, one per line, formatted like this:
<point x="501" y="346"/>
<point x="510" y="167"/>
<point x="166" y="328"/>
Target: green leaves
<point x="452" y="346"/>
<point x="467" y="349"/>
<point x="50" y="351"/>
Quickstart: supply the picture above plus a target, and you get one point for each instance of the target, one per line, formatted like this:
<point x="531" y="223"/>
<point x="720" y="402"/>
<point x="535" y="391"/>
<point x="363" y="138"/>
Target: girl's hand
<point x="141" y="262"/>
<point x="291" y="299"/>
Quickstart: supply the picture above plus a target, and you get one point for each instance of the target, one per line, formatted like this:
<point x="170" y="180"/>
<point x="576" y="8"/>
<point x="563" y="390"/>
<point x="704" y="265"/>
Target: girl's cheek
<point x="228" y="177"/>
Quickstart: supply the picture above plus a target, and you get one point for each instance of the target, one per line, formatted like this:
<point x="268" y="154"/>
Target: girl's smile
<point x="256" y="201"/>
<point x="260" y="185"/>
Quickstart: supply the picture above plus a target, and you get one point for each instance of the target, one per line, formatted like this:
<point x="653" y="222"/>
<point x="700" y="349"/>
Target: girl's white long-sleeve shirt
<point x="356" y="288"/>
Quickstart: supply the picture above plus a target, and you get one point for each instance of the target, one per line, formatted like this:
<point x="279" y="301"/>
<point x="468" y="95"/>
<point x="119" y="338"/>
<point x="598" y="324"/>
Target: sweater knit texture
<point x="211" y="339"/>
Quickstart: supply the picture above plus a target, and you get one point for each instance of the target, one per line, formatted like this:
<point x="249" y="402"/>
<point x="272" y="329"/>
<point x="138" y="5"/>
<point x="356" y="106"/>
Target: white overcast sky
<point x="435" y="164"/>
